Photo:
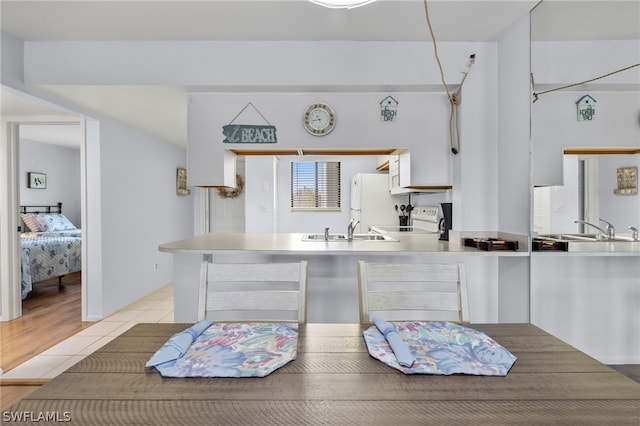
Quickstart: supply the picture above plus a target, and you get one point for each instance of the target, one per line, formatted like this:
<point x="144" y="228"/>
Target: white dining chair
<point x="253" y="292"/>
<point x="413" y="292"/>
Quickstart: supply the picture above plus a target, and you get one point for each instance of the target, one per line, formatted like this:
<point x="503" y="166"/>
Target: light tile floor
<point x="155" y="307"/>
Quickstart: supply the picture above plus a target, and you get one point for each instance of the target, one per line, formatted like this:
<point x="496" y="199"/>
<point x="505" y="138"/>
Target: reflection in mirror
<point x="572" y="42"/>
<point x="590" y="192"/>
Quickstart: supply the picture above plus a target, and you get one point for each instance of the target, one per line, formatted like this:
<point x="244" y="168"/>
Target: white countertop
<point x="271" y="243"/>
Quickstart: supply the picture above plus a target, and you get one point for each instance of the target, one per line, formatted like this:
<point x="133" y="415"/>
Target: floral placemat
<point x="236" y="350"/>
<point x="443" y="348"/>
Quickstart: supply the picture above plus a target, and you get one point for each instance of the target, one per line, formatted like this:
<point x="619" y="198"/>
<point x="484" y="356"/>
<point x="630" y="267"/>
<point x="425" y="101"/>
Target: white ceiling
<point x="257" y="20"/>
<point x="164" y="112"/>
<point x="65" y="135"/>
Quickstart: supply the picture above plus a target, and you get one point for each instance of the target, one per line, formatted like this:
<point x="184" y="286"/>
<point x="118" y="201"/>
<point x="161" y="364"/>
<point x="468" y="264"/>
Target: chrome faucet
<point x="326" y="233"/>
<point x="351" y="227"/>
<point x="610" y="232"/>
<point x="634" y="232"/>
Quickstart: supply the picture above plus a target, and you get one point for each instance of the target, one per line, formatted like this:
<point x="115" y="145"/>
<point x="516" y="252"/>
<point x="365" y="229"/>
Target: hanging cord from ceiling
<point x="455" y="98"/>
<point x="537" y="94"/>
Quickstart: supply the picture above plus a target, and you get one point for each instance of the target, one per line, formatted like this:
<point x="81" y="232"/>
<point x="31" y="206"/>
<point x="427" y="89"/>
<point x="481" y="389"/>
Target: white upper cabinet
<point x="408" y="174"/>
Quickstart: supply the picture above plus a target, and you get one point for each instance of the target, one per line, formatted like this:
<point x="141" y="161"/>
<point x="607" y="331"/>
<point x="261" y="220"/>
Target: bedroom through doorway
<point x="40" y="180"/>
<point x="50" y="206"/>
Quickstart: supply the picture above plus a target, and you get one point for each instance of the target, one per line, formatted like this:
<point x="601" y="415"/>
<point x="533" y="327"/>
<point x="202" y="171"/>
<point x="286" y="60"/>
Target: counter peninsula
<point x="332" y="294"/>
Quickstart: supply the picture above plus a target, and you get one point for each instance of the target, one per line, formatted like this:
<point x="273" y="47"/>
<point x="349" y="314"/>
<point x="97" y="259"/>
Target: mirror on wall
<point x="594" y="187"/>
<point x="574" y="43"/>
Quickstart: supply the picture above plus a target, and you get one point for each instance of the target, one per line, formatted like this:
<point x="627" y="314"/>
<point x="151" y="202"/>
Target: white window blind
<point x="315" y="185"/>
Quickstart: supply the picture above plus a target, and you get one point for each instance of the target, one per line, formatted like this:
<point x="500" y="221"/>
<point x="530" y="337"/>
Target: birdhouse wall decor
<point x="388" y="109"/>
<point x="586" y="108"/>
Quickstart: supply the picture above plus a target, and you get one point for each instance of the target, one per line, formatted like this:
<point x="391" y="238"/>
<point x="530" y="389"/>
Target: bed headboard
<point x="22" y="227"/>
<point x="41" y="209"/>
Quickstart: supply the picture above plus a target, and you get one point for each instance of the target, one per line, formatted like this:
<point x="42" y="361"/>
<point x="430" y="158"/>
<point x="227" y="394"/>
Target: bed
<point x="51" y="248"/>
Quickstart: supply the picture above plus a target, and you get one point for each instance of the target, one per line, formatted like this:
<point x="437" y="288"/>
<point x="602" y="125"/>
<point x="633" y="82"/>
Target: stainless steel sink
<point x="373" y="237"/>
<point x="343" y="237"/>
<point x="321" y="237"/>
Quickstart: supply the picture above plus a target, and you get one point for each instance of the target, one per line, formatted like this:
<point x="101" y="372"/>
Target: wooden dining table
<point x="334" y="381"/>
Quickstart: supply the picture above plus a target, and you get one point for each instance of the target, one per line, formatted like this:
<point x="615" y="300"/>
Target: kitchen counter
<point x="332" y="285"/>
<point x="266" y="243"/>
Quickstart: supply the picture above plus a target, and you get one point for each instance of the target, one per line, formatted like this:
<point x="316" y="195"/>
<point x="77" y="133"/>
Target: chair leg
<point x="60" y="285"/>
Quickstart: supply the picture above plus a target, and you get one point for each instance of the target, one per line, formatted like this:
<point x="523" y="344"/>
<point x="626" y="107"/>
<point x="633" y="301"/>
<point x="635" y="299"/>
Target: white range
<point x="425" y="220"/>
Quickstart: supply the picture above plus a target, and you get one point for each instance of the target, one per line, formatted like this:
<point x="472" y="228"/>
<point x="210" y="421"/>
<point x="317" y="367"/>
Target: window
<point x="315" y="185"/>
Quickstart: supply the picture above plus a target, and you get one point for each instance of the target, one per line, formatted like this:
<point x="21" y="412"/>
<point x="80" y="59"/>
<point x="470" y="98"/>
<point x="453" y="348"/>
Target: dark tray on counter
<point x="491" y="244"/>
<point x="549" y="245"/>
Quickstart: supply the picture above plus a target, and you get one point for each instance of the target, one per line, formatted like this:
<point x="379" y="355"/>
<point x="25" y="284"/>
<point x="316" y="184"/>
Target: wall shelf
<point x="604" y="150"/>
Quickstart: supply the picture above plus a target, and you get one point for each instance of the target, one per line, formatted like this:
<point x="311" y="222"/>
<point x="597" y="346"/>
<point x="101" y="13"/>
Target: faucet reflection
<point x="609" y="232"/>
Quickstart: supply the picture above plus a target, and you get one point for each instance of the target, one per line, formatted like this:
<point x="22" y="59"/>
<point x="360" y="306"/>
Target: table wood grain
<point x="335" y="381"/>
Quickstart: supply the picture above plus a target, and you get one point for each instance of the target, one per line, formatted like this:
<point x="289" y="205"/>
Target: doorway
<point x="50" y="152"/>
<point x="589" y="191"/>
<point x="10" y="270"/>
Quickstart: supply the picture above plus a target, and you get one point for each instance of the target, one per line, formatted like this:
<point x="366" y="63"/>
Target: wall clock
<point x="319" y="119"/>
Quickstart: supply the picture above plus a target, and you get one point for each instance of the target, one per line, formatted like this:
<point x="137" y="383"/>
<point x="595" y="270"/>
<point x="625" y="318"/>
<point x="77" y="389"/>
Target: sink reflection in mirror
<point x="586" y="237"/>
<point x="587" y="243"/>
<point x="587" y="194"/>
<point x="575" y="237"/>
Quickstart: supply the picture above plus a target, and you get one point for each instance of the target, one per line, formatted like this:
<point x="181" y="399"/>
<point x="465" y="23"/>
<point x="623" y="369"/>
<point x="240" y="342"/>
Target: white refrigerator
<point x="371" y="202"/>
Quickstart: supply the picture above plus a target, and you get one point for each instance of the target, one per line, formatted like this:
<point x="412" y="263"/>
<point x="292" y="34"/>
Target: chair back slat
<point x="406" y="292"/>
<point x="253" y="292"/>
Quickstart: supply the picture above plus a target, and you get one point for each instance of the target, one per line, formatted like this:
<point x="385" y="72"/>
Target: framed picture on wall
<point x="37" y="180"/>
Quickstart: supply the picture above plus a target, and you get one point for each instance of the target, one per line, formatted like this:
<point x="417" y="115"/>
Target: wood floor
<point x="50" y="315"/>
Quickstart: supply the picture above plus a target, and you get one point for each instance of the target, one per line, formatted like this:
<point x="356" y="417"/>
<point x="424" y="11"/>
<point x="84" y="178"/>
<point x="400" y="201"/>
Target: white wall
<point x="590" y="302"/>
<point x="351" y="77"/>
<point x="513" y="129"/>
<point x="12" y="59"/>
<point x="131" y="201"/>
<point x="261" y="190"/>
<point x="554" y="116"/>
<point x="228" y="214"/>
<point x="315" y="221"/>
<point x="422" y="126"/>
<point x="140" y="210"/>
<point x="513" y="166"/>
<point x="274" y="195"/>
<point x="62" y="167"/>
<point x="564" y="201"/>
<point x="260" y="172"/>
<point x="621" y="210"/>
<point x="11" y="63"/>
<point x="230" y="66"/>
<point x="556" y="62"/>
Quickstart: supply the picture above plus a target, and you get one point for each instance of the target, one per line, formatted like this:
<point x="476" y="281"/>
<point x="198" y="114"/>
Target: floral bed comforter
<point x="443" y="348"/>
<point x="48" y="255"/>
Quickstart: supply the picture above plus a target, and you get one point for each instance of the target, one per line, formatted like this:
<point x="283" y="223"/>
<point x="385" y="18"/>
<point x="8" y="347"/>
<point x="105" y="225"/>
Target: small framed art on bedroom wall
<point x="37" y="180"/>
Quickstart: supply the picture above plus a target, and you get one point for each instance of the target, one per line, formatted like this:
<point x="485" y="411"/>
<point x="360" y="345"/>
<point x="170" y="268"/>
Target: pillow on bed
<point x="51" y="222"/>
<point x="31" y="220"/>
